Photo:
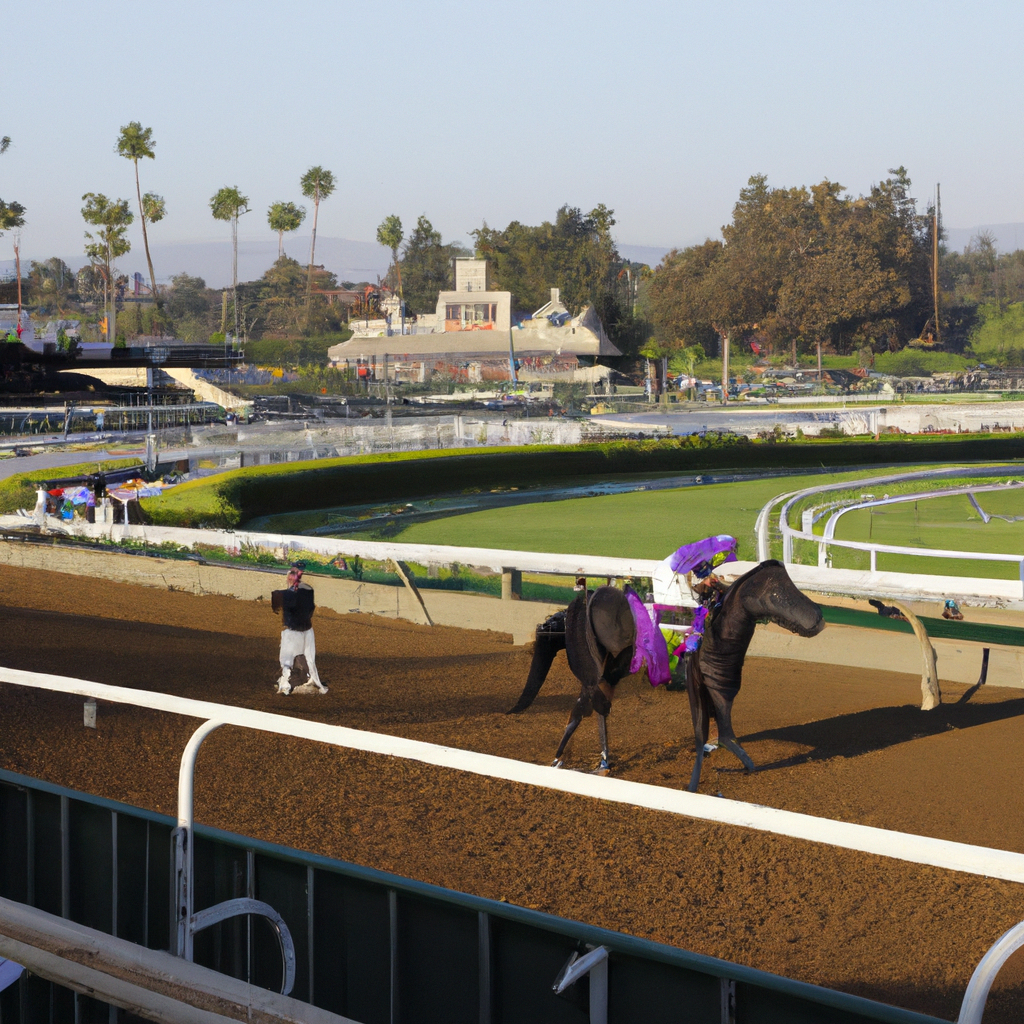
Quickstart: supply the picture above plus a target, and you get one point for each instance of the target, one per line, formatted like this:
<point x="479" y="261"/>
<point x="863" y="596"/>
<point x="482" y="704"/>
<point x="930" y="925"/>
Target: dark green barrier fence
<point x="938" y="629"/>
<point x="375" y="947"/>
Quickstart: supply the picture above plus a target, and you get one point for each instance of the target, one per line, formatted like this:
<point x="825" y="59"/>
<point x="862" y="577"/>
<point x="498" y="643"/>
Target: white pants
<point x="293" y="643"/>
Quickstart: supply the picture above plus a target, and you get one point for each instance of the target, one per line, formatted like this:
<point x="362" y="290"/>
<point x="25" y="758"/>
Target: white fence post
<point x="978" y="987"/>
<point x="182" y="839"/>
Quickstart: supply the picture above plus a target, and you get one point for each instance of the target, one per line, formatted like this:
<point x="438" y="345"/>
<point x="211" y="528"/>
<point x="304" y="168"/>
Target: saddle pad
<point x="649" y="647"/>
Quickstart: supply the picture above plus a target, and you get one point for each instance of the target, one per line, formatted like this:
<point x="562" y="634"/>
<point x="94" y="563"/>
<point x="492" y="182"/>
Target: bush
<point x="238" y="496"/>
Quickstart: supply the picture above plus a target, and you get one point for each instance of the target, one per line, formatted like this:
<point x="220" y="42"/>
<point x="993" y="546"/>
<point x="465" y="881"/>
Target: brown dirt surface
<point x="836" y="742"/>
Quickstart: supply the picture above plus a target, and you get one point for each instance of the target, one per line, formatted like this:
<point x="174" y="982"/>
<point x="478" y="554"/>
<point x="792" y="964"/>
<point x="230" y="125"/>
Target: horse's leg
<point x="726" y="736"/>
<point x="602" y="727"/>
<point x="545" y="647"/>
<point x="575" y="716"/>
<point x="699" y="715"/>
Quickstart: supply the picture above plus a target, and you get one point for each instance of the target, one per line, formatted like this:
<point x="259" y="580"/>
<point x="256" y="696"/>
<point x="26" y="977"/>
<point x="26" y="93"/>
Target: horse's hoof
<point x="557" y="763"/>
<point x="602" y="769"/>
<point x="709" y="747"/>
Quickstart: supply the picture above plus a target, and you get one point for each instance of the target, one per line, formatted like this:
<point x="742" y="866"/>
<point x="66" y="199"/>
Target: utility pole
<point x="725" y="367"/>
<point x="935" y="260"/>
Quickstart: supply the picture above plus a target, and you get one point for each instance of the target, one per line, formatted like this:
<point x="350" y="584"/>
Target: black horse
<point x="598" y="634"/>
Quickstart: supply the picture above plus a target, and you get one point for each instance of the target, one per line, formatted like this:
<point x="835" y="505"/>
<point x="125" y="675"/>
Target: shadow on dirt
<point x="878" y="728"/>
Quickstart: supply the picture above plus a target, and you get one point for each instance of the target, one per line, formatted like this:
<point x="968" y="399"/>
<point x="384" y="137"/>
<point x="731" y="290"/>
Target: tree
<point x="136" y="143"/>
<point x="390" y="235"/>
<point x="229" y="204"/>
<point x="12" y="217"/>
<point x="426" y="266"/>
<point x="810" y="267"/>
<point x="575" y="253"/>
<point x="111" y="218"/>
<point x="284" y="217"/>
<point x="51" y="282"/>
<point x="5" y="143"/>
<point x="317" y="183"/>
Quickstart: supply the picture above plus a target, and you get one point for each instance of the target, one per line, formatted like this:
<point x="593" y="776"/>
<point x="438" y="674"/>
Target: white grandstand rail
<point x="941" y="853"/>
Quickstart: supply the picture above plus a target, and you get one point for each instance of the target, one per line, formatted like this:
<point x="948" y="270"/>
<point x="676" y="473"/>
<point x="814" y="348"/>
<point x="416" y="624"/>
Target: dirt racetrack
<point x="842" y="743"/>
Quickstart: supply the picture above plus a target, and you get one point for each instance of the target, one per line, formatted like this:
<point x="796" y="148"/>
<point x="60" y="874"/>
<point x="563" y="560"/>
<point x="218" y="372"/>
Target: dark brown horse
<point x="598" y="634"/>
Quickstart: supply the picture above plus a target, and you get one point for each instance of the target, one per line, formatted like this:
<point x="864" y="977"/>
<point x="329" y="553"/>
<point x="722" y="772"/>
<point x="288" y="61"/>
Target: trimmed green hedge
<point x="236" y="497"/>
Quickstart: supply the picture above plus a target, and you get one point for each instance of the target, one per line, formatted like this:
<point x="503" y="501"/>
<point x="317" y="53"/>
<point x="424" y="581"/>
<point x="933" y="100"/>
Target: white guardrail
<point x="848" y="582"/>
<point x="967" y="587"/>
<point x="940" y="853"/>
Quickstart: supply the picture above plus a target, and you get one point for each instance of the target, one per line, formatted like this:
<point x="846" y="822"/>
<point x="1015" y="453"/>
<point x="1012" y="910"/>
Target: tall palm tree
<point x="229" y="204"/>
<point x="390" y="235"/>
<point x="136" y="143"/>
<point x="317" y="183"/>
<point x="111" y="217"/>
<point x="284" y="217"/>
<point x="12" y="217"/>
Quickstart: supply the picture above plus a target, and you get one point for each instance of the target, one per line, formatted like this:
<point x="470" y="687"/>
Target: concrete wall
<point x="446" y="608"/>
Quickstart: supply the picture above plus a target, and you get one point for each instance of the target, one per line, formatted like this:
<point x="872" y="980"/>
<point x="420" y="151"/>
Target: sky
<point x="500" y="111"/>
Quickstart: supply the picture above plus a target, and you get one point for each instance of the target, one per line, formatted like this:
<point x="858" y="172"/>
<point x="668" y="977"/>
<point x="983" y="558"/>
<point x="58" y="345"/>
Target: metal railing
<point x="477" y="940"/>
<point x="790" y="534"/>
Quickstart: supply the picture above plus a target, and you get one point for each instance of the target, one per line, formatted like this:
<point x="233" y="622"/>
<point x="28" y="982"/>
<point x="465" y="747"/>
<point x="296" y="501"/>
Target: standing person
<point x="296" y="605"/>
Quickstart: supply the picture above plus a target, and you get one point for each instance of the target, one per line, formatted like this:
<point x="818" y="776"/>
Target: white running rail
<point x="790" y="534"/>
<point x="941" y="853"/>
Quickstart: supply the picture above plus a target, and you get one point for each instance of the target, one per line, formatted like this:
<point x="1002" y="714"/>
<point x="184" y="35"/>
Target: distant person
<point x="39" y="512"/>
<point x="296" y="605"/>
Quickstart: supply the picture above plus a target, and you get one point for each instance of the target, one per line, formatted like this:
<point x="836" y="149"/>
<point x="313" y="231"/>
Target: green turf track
<point x="641" y="524"/>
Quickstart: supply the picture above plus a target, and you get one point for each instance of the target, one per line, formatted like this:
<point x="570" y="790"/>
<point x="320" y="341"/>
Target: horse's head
<point x="768" y="593"/>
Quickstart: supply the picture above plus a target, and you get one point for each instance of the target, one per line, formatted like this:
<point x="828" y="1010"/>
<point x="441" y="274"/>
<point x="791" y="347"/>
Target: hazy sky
<point x="499" y="110"/>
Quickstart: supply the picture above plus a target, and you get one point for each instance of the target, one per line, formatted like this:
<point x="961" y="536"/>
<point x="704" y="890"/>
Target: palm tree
<point x="317" y="183"/>
<point x="230" y="204"/>
<point x="284" y="217"/>
<point x="12" y="217"/>
<point x="136" y="143"/>
<point x="390" y="235"/>
<point x="111" y="217"/>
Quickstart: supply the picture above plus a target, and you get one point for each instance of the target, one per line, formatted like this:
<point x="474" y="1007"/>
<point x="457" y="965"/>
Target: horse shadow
<point x="864" y="732"/>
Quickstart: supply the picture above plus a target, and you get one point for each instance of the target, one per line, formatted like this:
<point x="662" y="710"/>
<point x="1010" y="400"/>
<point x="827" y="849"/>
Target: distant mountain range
<point x="1009" y="237"/>
<point x="351" y="261"/>
<point x="366" y="261"/>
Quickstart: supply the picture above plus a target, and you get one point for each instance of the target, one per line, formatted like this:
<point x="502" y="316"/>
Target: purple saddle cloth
<point x="649" y="647"/>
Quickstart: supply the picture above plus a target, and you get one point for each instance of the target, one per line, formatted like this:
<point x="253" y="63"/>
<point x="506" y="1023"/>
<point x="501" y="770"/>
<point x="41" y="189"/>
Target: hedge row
<point x="233" y="498"/>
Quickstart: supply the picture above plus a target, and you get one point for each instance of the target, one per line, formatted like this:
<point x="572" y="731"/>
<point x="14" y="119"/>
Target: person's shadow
<point x="863" y="732"/>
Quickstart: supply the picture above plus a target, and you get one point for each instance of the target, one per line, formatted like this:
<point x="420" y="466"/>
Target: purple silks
<point x="649" y="647"/>
<point x="690" y="556"/>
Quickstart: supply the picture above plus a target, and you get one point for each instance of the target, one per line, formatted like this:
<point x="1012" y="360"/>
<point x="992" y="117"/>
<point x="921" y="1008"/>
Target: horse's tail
<point x="550" y="640"/>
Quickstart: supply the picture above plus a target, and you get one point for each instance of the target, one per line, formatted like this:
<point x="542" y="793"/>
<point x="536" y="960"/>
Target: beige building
<point x="471" y="334"/>
<point x="474" y="305"/>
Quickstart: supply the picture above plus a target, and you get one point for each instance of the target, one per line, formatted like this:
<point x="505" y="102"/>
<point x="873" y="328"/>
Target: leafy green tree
<point x="12" y="216"/>
<point x="136" y="143"/>
<point x="316" y="184"/>
<point x="575" y="253"/>
<point x="390" y="235"/>
<point x="51" y="283"/>
<point x="229" y="204"/>
<point x="110" y="218"/>
<point x="284" y="217"/>
<point x="802" y="267"/>
<point x="426" y="266"/>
